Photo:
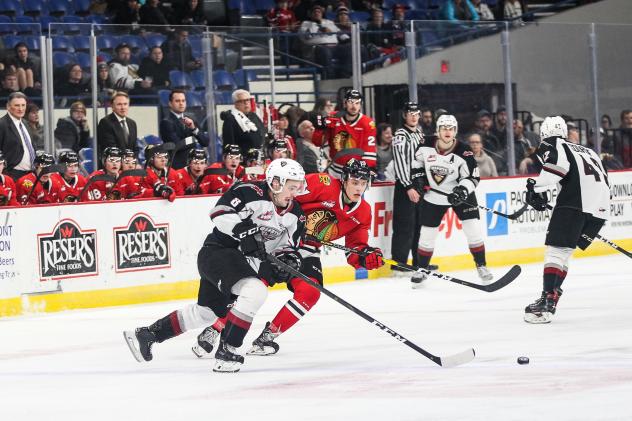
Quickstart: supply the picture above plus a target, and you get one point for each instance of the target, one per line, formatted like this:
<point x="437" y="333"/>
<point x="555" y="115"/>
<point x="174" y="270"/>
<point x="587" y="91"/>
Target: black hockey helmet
<point x="111" y="152"/>
<point x="128" y="153"/>
<point x="43" y="158"/>
<point x="353" y="94"/>
<point x="68" y="157"/>
<point x="355" y="168"/>
<point x="254" y="155"/>
<point x="197" y="154"/>
<point x="411" y="107"/>
<point x="231" y="149"/>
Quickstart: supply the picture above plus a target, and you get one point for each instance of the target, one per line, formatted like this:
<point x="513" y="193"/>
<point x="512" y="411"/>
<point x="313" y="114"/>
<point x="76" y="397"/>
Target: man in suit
<point x="242" y="127"/>
<point x="117" y="129"/>
<point x="181" y="130"/>
<point x="15" y="141"/>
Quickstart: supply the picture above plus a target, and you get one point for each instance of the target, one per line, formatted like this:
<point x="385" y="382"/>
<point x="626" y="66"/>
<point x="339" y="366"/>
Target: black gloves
<point x="164" y="191"/>
<point x="252" y="244"/>
<point x="459" y="195"/>
<point x="291" y="258"/>
<point x="419" y="181"/>
<point x="537" y="201"/>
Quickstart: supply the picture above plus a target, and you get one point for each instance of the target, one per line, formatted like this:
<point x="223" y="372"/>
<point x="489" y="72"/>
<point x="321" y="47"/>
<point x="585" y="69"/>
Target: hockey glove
<point x="291" y="258"/>
<point x="537" y="201"/>
<point x="251" y="241"/>
<point x="459" y="195"/>
<point x="420" y="182"/>
<point x="369" y="258"/>
<point x="164" y="191"/>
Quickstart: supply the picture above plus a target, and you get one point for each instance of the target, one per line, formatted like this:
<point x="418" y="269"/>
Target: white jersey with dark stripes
<point x="581" y="176"/>
<point x="405" y="143"/>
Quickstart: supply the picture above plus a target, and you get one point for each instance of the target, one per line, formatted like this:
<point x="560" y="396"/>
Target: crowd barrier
<point x="88" y="255"/>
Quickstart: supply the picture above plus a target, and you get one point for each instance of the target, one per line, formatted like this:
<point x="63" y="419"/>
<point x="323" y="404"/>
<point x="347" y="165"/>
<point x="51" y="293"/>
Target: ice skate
<point x="484" y="273"/>
<point x="226" y="359"/>
<point x="264" y="344"/>
<point x="205" y="342"/>
<point x="400" y="273"/>
<point x="140" y="342"/>
<point x="417" y="280"/>
<point x="542" y="310"/>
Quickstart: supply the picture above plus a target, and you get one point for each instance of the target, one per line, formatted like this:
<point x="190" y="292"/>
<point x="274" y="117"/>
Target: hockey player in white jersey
<point x="581" y="209"/>
<point x="251" y="220"/>
<point x="449" y="167"/>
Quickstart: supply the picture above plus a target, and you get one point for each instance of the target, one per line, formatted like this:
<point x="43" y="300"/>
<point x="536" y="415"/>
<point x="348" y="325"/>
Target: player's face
<point x="128" y="164"/>
<point x="160" y="161"/>
<point x="352" y="107"/>
<point x="447" y="133"/>
<point x="3" y="164"/>
<point x="231" y="162"/>
<point x="355" y="188"/>
<point x="112" y="165"/>
<point x="279" y="153"/>
<point x="291" y="189"/>
<point x="197" y="166"/>
<point x="71" y="170"/>
<point x="412" y="119"/>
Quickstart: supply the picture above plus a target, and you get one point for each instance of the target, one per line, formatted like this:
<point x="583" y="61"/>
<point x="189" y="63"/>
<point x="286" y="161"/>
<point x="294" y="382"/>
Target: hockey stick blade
<point x="512" y="216"/>
<point x="449" y="361"/>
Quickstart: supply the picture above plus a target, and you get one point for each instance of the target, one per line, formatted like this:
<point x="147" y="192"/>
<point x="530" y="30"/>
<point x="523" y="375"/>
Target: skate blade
<point x="226" y="366"/>
<point x="261" y="350"/>
<point x="538" y="318"/>
<point x="200" y="352"/>
<point x="132" y="344"/>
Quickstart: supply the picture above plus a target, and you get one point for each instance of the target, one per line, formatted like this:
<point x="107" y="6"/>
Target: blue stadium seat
<point x="359" y="16"/>
<point x="243" y="76"/>
<point x="33" y="42"/>
<point x="24" y="19"/>
<point x="87" y="166"/>
<point x="45" y="21"/>
<point x="247" y="7"/>
<point x="81" y="43"/>
<point x="71" y="19"/>
<point x="11" y="8"/>
<point x="198" y="79"/>
<point x="34" y="7"/>
<point x="150" y="139"/>
<point x="61" y="59"/>
<point x="84" y="60"/>
<point x="82" y="7"/>
<point x="136" y="43"/>
<point x="264" y="5"/>
<point x="59" y="8"/>
<point x="194" y="99"/>
<point x="180" y="79"/>
<point x="7" y="29"/>
<point x="105" y="56"/>
<point x="223" y="98"/>
<point x="106" y="43"/>
<point x="196" y="46"/>
<point x="96" y="19"/>
<point x="62" y="43"/>
<point x="86" y="153"/>
<point x="154" y="40"/>
<point x="223" y="80"/>
<point x="163" y="94"/>
<point x="10" y="41"/>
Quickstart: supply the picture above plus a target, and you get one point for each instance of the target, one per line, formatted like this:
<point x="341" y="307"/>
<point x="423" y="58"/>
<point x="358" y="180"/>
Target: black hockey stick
<point x="505" y="280"/>
<point x="94" y="179"/>
<point x="46" y="170"/>
<point x="512" y="216"/>
<point x="450" y="361"/>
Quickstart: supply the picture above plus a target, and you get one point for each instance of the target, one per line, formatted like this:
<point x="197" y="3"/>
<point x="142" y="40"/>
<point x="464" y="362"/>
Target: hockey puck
<point x="523" y="360"/>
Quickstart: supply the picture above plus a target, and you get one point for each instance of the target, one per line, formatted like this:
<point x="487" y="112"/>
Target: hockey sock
<point x="167" y="327"/>
<point x="560" y="280"/>
<point x="219" y="324"/>
<point x="305" y="297"/>
<point x="427" y="238"/>
<point x="555" y="267"/>
<point x="478" y="252"/>
<point x="237" y="325"/>
<point x="423" y="257"/>
<point x="251" y="293"/>
<point x="475" y="242"/>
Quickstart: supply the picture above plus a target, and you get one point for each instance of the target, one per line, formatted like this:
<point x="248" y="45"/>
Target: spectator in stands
<point x="152" y="13"/>
<point x="155" y="69"/>
<point x="126" y="13"/>
<point x="397" y="26"/>
<point x="573" y="133"/>
<point x="622" y="141"/>
<point x="179" y="53"/>
<point x="483" y="10"/>
<point x="426" y="123"/>
<point x="384" y="148"/>
<point x="378" y="40"/>
<point x="458" y="10"/>
<point x="72" y="132"/>
<point x="484" y="128"/>
<point x="294" y="116"/>
<point x="15" y="142"/>
<point x="106" y="89"/>
<point x="320" y="36"/>
<point x="525" y="142"/>
<point x="308" y="154"/>
<point x="33" y="126"/>
<point x="241" y="126"/>
<point x="486" y="164"/>
<point x="500" y="125"/>
<point x="512" y="10"/>
<point x="281" y="132"/>
<point x="124" y="75"/>
<point x="74" y="84"/>
<point x="606" y="122"/>
<point x="282" y="17"/>
<point x="189" y="12"/>
<point x="9" y="85"/>
<point x="181" y="130"/>
<point x="322" y="107"/>
<point x="343" y="22"/>
<point x="27" y="69"/>
<point x="117" y="129"/>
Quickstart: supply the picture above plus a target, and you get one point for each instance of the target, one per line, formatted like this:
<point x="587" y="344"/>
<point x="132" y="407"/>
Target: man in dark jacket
<point x="117" y="129"/>
<point x="72" y="132"/>
<point x="241" y="126"/>
<point x="181" y="130"/>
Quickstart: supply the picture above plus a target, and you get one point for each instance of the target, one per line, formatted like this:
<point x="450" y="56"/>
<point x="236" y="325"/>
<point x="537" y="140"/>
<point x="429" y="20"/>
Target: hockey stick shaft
<point x="494" y="286"/>
<point x="464" y="357"/>
<point x="514" y="215"/>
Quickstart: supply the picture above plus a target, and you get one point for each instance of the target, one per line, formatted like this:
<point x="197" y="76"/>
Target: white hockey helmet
<point x="553" y="127"/>
<point x="447" y="120"/>
<point x="284" y="169"/>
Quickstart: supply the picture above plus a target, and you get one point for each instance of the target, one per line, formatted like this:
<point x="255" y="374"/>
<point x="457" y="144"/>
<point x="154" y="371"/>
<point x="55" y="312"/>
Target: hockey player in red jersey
<point x="189" y="176"/>
<point x="100" y="190"/>
<point x="348" y="130"/>
<point x="334" y="209"/>
<point x="71" y="183"/>
<point x="255" y="165"/>
<point x="8" y="191"/>
<point x="46" y="188"/>
<point x="220" y="176"/>
<point x="129" y="186"/>
<point x="160" y="181"/>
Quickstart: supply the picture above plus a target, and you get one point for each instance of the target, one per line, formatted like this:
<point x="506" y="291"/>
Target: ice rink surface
<point x="336" y="366"/>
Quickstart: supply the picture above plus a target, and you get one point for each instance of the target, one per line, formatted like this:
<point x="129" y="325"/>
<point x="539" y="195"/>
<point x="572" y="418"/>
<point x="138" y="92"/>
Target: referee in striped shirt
<point x="410" y="181"/>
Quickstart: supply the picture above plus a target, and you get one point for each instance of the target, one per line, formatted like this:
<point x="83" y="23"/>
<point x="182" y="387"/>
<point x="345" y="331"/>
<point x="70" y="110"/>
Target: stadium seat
<point x="150" y="139"/>
<point x="194" y="99"/>
<point x="198" y="79"/>
<point x="32" y="42"/>
<point x="136" y="43"/>
<point x="10" y="41"/>
<point x="7" y="24"/>
<point x="244" y="76"/>
<point x="71" y="19"/>
<point x="33" y="7"/>
<point x="81" y="43"/>
<point x="223" y="98"/>
<point x="163" y="94"/>
<point x="87" y="166"/>
<point x="84" y="60"/>
<point x="82" y="7"/>
<point x="86" y="153"/>
<point x="59" y="8"/>
<point x="62" y="43"/>
<point x="61" y="59"/>
<point x="106" y="43"/>
<point x="196" y="46"/>
<point x="46" y="21"/>
<point x="154" y="40"/>
<point x="24" y="19"/>
<point x="10" y="8"/>
<point x="359" y="16"/>
<point x="264" y="5"/>
<point x="223" y="80"/>
<point x="180" y="79"/>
